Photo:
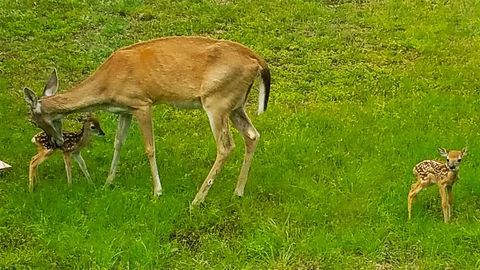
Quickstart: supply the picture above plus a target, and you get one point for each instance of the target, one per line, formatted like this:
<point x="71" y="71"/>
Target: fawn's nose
<point x="101" y="133"/>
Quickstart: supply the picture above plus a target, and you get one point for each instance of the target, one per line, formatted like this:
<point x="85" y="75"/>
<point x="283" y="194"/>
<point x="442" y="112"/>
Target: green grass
<point x="361" y="92"/>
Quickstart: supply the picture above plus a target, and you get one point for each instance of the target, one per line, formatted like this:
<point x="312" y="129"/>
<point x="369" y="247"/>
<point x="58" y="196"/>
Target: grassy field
<point x="362" y="91"/>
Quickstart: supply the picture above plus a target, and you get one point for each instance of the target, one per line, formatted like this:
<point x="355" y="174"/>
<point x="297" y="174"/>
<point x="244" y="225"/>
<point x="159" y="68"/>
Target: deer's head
<point x="453" y="157"/>
<point x="51" y="124"/>
<point x="92" y="125"/>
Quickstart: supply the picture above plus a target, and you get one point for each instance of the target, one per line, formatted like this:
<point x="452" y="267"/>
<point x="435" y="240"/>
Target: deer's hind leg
<point x="223" y="138"/>
<point x="36" y="160"/>
<point x="412" y="194"/>
<point x="250" y="135"/>
<point x="227" y="91"/>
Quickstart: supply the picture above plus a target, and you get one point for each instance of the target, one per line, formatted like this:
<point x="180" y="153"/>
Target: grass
<point x="362" y="91"/>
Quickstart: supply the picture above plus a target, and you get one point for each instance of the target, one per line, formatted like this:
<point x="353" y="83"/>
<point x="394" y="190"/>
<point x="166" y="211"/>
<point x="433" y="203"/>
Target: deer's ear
<point x="464" y="151"/>
<point x="30" y="97"/>
<point x="443" y="152"/>
<point x="52" y="85"/>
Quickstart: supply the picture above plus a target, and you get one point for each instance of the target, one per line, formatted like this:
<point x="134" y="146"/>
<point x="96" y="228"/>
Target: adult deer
<point x="214" y="74"/>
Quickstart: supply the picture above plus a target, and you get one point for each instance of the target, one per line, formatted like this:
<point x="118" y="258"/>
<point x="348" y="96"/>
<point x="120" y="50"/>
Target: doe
<point x="74" y="142"/>
<point x="197" y="72"/>
<point x="429" y="172"/>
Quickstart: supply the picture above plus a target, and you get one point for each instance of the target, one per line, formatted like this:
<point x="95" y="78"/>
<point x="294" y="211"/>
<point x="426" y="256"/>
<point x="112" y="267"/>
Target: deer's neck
<point x="82" y="97"/>
<point x="451" y="175"/>
<point x="84" y="137"/>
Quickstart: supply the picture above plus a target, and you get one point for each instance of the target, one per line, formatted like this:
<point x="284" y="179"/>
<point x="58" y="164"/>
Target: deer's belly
<point x="117" y="109"/>
<point x="186" y="104"/>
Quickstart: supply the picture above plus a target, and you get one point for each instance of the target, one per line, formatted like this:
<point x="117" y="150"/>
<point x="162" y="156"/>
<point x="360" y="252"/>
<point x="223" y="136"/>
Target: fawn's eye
<point x="92" y="127"/>
<point x="459" y="160"/>
<point x="448" y="160"/>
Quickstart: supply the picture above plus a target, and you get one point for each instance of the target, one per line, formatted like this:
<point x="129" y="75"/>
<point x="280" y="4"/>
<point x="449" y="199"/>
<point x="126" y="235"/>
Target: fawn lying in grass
<point x="74" y="143"/>
<point x="429" y="172"/>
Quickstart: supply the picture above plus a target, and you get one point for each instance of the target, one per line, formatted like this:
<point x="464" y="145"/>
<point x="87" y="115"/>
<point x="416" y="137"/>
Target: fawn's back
<point x="431" y="170"/>
<point x="74" y="141"/>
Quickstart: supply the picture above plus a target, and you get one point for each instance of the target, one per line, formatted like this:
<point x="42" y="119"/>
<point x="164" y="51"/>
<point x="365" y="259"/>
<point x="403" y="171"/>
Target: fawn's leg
<point x="443" y="194"/>
<point x="223" y="139"/>
<point x="124" y="121"/>
<point x="250" y="135"/>
<point x="81" y="163"/>
<point x="450" y="201"/>
<point x="67" y="159"/>
<point x="416" y="188"/>
<point x="34" y="163"/>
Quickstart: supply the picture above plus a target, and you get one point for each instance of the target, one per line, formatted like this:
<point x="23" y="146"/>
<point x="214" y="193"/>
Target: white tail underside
<point x="261" y="97"/>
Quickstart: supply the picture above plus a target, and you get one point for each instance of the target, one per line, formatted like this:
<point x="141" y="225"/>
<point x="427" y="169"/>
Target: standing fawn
<point x="429" y="172"/>
<point x="198" y="72"/>
<point x="74" y="142"/>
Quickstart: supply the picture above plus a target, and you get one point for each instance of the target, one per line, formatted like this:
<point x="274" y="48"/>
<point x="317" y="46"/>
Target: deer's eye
<point x="448" y="160"/>
<point x="459" y="160"/>
<point x="92" y="127"/>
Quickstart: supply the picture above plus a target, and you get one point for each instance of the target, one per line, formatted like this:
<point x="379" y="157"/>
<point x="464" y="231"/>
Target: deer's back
<point x="428" y="168"/>
<point x="71" y="140"/>
<point x="176" y="69"/>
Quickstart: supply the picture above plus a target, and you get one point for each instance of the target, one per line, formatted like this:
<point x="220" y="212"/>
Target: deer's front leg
<point x="443" y="194"/>
<point x="124" y="122"/>
<point x="144" y="117"/>
<point x="81" y="163"/>
<point x="450" y="201"/>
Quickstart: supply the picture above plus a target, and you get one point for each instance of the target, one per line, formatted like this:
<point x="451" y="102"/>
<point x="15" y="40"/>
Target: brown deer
<point x="73" y="143"/>
<point x="216" y="75"/>
<point x="429" y="172"/>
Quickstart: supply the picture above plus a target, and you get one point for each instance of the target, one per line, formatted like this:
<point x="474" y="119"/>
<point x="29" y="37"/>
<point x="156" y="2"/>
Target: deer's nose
<point x="101" y="134"/>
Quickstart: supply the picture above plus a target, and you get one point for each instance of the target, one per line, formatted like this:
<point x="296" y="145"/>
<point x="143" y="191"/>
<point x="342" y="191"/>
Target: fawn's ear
<point x="52" y="85"/>
<point x="464" y="151"/>
<point x="443" y="152"/>
<point x="30" y="97"/>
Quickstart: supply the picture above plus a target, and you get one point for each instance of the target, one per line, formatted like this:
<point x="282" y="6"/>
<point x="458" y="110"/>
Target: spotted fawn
<point x="74" y="142"/>
<point x="429" y="172"/>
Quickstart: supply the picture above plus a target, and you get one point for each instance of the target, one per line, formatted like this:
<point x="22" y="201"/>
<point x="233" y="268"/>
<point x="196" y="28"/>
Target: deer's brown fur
<point x="213" y="74"/>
